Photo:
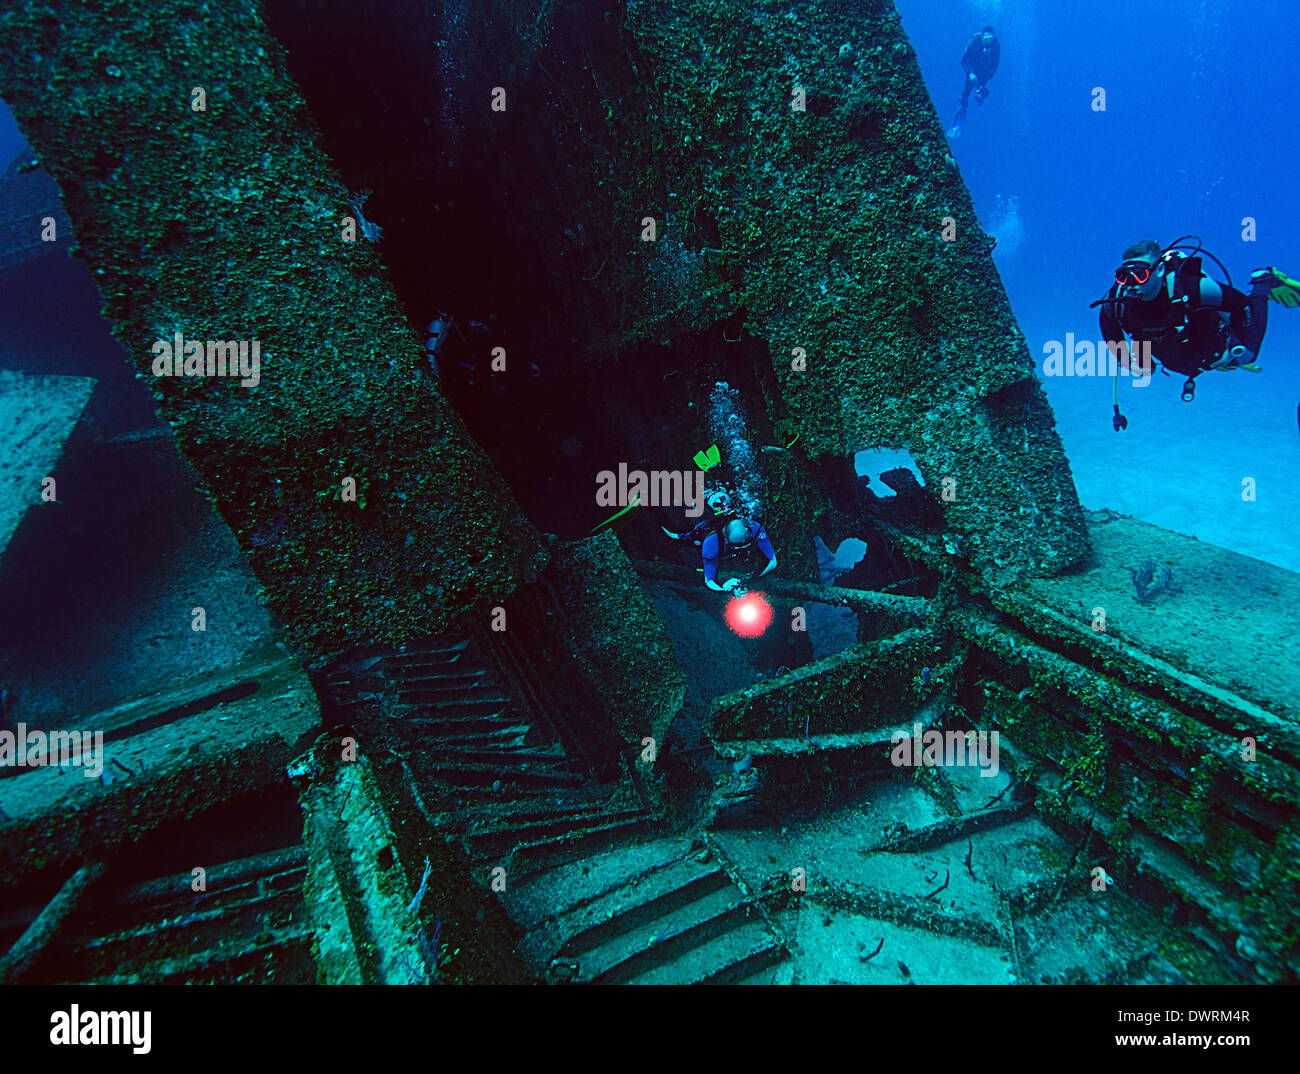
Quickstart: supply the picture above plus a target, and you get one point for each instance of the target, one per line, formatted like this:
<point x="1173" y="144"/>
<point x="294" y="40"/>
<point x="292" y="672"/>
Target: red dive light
<point x="749" y="616"/>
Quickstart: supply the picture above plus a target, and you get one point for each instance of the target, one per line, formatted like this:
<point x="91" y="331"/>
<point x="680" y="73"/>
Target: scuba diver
<point x="721" y="512"/>
<point x="738" y="541"/>
<point x="980" y="62"/>
<point x="467" y="367"/>
<point x="1192" y="323"/>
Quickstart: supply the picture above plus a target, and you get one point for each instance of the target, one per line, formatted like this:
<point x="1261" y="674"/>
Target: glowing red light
<point x="749" y="616"/>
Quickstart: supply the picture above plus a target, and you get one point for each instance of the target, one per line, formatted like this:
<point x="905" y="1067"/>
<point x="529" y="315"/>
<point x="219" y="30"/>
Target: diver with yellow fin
<point x="720" y="513"/>
<point x="718" y="500"/>
<point x="727" y="534"/>
<point x="1191" y="323"/>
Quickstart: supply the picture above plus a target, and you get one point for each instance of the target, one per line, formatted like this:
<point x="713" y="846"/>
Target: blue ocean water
<point x="10" y="140"/>
<point x="1199" y="133"/>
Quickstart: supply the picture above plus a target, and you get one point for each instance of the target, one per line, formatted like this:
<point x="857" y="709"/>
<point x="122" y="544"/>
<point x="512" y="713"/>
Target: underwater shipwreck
<point x="387" y="697"/>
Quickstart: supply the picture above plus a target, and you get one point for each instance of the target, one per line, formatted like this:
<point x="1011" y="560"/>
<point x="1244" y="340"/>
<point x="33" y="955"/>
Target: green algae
<point x="227" y="223"/>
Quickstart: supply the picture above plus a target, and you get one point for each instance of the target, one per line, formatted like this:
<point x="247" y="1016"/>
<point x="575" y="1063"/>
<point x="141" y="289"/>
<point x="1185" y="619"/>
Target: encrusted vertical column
<point x="210" y="216"/>
<point x="849" y="239"/>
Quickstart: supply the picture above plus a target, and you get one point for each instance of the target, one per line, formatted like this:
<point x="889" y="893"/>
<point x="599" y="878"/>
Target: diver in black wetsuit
<point x="1193" y="323"/>
<point x="980" y="62"/>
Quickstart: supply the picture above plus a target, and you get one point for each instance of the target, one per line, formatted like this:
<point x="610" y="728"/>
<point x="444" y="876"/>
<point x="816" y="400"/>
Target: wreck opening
<point x="875" y="463"/>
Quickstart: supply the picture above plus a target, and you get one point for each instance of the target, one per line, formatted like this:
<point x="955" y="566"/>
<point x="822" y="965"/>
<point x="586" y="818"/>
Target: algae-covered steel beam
<point x="40" y="932"/>
<point x="1201" y="799"/>
<point x="614" y="635"/>
<point x="806" y="134"/>
<point x="1168" y="721"/>
<point x="380" y="916"/>
<point x="37" y="414"/>
<point x="210" y="215"/>
<point x="906" y="608"/>
<point x="866" y="686"/>
<point x="163" y="759"/>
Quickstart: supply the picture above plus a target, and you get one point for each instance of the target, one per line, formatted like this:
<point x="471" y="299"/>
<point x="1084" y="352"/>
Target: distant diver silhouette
<point x="980" y="62"/>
